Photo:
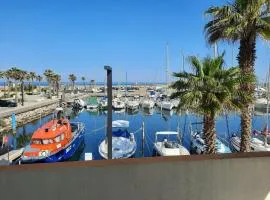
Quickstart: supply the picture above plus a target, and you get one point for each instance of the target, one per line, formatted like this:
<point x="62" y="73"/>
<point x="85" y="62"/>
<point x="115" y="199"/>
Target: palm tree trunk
<point x="50" y="92"/>
<point x="246" y="59"/>
<point x="8" y="85"/>
<point x="22" y="91"/>
<point x="210" y="133"/>
<point x="39" y="87"/>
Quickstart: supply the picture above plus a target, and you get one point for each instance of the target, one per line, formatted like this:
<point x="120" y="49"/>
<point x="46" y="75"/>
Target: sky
<point x="81" y="36"/>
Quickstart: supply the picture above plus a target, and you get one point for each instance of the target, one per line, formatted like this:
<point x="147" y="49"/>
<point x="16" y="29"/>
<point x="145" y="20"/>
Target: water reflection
<point x="154" y="120"/>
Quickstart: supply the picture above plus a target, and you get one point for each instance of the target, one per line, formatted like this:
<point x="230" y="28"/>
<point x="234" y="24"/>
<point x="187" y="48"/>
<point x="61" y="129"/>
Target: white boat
<point x="169" y="147"/>
<point x="261" y="103"/>
<point x="165" y="105"/>
<point x="256" y="144"/>
<point x="123" y="142"/>
<point x="147" y="103"/>
<point x="199" y="147"/>
<point x="78" y="103"/>
<point x="92" y="107"/>
<point x="103" y="103"/>
<point x="118" y="104"/>
<point x="132" y="105"/>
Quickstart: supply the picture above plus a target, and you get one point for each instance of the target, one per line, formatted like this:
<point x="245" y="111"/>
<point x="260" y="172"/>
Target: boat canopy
<point x="120" y="124"/>
<point x="167" y="133"/>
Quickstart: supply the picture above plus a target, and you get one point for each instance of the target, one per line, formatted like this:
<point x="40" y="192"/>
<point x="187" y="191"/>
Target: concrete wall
<point x="230" y="177"/>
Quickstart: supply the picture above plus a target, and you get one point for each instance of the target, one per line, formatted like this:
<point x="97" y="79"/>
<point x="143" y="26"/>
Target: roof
<point x="167" y="133"/>
<point x="53" y="131"/>
<point x="120" y="124"/>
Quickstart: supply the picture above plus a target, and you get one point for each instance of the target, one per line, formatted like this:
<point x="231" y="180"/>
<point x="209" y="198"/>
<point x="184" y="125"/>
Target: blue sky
<point x="130" y="35"/>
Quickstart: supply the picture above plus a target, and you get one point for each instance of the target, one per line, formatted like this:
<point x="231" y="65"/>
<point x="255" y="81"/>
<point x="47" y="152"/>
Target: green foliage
<point x="210" y="88"/>
<point x="238" y="20"/>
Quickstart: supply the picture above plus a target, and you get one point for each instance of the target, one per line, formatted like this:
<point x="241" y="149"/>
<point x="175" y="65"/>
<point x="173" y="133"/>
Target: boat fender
<point x="132" y="137"/>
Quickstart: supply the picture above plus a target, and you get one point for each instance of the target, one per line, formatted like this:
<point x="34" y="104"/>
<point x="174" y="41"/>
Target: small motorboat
<point x="165" y="105"/>
<point x="78" y="104"/>
<point x="55" y="141"/>
<point x="92" y="104"/>
<point x="103" y="103"/>
<point x="147" y="103"/>
<point x="123" y="142"/>
<point x="171" y="145"/>
<point x="118" y="104"/>
<point x="132" y="105"/>
<point x="199" y="147"/>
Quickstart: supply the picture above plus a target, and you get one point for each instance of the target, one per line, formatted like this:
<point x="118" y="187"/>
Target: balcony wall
<point x="219" y="177"/>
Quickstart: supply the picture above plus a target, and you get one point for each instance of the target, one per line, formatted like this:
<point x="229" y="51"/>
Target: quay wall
<point x="243" y="176"/>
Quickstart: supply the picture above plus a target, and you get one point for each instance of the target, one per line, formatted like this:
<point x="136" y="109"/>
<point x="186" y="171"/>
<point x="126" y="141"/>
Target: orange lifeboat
<point x="55" y="141"/>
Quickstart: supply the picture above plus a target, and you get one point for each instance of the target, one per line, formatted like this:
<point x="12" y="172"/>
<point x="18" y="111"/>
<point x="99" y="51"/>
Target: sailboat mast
<point x="267" y="107"/>
<point x="167" y="63"/>
<point x="183" y="61"/>
<point x="215" y="50"/>
<point x="126" y="86"/>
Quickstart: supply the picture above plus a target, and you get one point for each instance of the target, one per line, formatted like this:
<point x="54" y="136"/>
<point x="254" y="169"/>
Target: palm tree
<point x="72" y="78"/>
<point x="8" y="75"/>
<point x="208" y="91"/>
<point x="39" y="79"/>
<point x="49" y="74"/>
<point x="12" y="73"/>
<point x="32" y="76"/>
<point x="83" y="79"/>
<point x="2" y="75"/>
<point x="28" y="78"/>
<point x="244" y="21"/>
<point x="56" y="78"/>
<point x="19" y="75"/>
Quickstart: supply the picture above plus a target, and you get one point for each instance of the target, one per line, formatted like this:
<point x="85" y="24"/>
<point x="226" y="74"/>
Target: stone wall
<point x="29" y="116"/>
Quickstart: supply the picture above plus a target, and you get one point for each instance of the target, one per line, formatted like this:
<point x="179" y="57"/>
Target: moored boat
<point x="199" y="147"/>
<point x="55" y="141"/>
<point x="123" y="142"/>
<point x="258" y="142"/>
<point x="169" y="146"/>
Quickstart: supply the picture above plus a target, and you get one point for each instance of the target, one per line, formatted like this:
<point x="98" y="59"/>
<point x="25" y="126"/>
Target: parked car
<point x="7" y="103"/>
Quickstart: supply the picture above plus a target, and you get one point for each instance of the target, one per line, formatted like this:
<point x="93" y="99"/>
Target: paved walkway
<point x="6" y="112"/>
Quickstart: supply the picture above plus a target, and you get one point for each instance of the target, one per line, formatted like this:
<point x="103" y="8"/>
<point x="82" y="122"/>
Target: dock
<point x="8" y="158"/>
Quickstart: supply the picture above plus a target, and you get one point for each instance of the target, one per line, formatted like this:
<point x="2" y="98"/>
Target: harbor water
<point x="154" y="120"/>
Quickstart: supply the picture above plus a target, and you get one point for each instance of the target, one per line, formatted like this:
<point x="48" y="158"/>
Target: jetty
<point x="8" y="158"/>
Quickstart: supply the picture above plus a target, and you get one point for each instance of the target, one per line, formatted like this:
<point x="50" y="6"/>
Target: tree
<point x="56" y="78"/>
<point x="39" y="79"/>
<point x="83" y="79"/>
<point x="19" y="75"/>
<point x="244" y="21"/>
<point x="208" y="91"/>
<point x="72" y="78"/>
<point x="32" y="76"/>
<point x="8" y="75"/>
<point x="2" y="75"/>
<point x="49" y="74"/>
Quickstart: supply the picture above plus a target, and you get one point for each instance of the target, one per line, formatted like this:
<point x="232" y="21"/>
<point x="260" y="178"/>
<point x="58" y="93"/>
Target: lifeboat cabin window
<point x="46" y="141"/>
<point x="62" y="136"/>
<point x="57" y="138"/>
<point x="36" y="141"/>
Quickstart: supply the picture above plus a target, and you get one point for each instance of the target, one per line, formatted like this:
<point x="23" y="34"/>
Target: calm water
<point x="154" y="121"/>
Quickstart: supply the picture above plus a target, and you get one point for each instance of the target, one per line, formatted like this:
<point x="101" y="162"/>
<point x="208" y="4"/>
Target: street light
<point x="109" y="116"/>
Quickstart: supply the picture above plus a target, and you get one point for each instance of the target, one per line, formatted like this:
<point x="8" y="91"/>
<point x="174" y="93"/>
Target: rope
<point x="139" y="129"/>
<point x="147" y="145"/>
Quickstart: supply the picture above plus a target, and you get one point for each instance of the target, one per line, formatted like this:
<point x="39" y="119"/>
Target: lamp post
<point x="109" y="116"/>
